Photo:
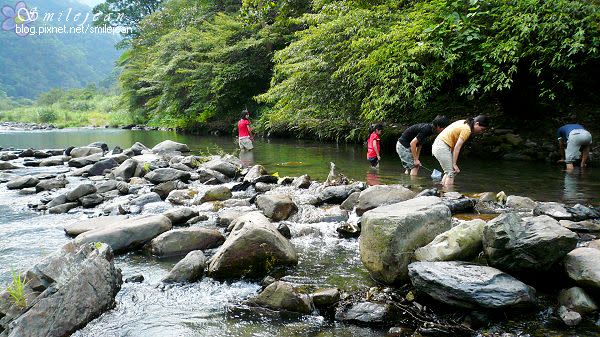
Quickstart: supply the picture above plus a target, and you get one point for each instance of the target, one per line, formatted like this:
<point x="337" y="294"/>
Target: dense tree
<point x="125" y="13"/>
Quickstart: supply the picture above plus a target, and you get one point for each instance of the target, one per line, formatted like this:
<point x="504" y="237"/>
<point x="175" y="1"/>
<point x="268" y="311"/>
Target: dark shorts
<point x="373" y="161"/>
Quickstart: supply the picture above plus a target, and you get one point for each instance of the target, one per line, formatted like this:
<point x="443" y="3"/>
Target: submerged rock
<point x="462" y="242"/>
<point x="277" y="207"/>
<point x="470" y="286"/>
<point x="182" y="241"/>
<point x="522" y="244"/>
<point x="252" y="249"/>
<point x="583" y="267"/>
<point x="128" y="234"/>
<point x="380" y="195"/>
<point x="64" y="292"/>
<point x="281" y="295"/>
<point x="390" y="234"/>
<point x="366" y="313"/>
<point x="189" y="269"/>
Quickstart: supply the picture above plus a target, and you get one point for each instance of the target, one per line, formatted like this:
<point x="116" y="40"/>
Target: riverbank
<point x="164" y="197"/>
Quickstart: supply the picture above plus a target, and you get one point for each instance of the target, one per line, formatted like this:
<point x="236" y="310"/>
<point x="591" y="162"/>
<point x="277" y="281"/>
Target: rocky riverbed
<point x="435" y="274"/>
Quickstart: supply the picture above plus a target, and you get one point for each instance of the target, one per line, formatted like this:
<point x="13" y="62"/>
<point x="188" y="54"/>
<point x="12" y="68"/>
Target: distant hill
<point x="34" y="64"/>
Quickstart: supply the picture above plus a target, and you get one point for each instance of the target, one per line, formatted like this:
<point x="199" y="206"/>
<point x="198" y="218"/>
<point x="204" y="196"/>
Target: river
<point x="203" y="308"/>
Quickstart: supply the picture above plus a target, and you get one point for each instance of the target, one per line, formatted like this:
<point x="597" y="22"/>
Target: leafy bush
<point x="46" y="115"/>
<point x="17" y="289"/>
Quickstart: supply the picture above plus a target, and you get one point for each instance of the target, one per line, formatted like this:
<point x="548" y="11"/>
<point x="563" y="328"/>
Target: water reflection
<point x="247" y="157"/>
<point x="572" y="188"/>
<point x="373" y="177"/>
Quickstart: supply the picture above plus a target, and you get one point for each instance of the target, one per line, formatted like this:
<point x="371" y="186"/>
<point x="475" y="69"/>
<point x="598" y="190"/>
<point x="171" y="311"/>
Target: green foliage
<point x="17" y="289"/>
<point x="46" y="115"/>
<point x="121" y="13"/>
<point x="97" y="245"/>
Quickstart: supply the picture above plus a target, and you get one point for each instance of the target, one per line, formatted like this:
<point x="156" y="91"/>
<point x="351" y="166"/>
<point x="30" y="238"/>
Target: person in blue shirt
<point x="574" y="142"/>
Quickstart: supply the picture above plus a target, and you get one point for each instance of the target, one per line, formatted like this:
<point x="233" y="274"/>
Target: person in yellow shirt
<point x="448" y="143"/>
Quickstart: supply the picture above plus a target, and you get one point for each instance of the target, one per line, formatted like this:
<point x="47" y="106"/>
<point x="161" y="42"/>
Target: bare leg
<point x="406" y="172"/>
<point x="570" y="167"/>
<point x="585" y="154"/>
<point x="449" y="181"/>
<point x="414" y="171"/>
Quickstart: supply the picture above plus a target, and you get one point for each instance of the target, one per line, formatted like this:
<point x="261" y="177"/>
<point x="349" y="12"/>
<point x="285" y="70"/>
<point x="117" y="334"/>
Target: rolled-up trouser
<point x="246" y="143"/>
<point x="442" y="152"/>
<point x="405" y="156"/>
<point x="577" y="139"/>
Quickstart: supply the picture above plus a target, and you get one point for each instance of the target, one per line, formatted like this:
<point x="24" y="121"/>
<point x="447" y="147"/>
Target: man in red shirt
<point x="373" y="147"/>
<point x="244" y="132"/>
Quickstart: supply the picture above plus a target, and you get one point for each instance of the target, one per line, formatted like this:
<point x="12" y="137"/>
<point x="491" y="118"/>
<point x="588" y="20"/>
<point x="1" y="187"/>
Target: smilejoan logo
<point x="18" y="18"/>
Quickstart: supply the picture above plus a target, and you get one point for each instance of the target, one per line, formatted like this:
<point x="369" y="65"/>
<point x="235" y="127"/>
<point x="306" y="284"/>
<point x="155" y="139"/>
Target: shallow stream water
<point x="204" y="308"/>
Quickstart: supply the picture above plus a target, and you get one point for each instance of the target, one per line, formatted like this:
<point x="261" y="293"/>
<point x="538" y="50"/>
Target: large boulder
<point x="470" y="286"/>
<point x="79" y="227"/>
<point x="80" y="152"/>
<point x="85" y="161"/>
<point x="81" y="191"/>
<point x="162" y="175"/>
<point x="380" y="195"/>
<point x="211" y="176"/>
<point x="64" y="292"/>
<point x="217" y="193"/>
<point x="189" y="269"/>
<point x="50" y="184"/>
<point x="583" y="267"/>
<point x="7" y="166"/>
<point x="170" y="146"/>
<point x="254" y="173"/>
<point x="554" y="209"/>
<point x="138" y="148"/>
<point x="128" y="234"/>
<point x="302" y="181"/>
<point x="182" y="241"/>
<point x="101" y="166"/>
<point x="53" y="161"/>
<point x="520" y="203"/>
<point x="275" y="206"/>
<point x="281" y="295"/>
<point x="163" y="189"/>
<point x="462" y="242"/>
<point x="252" y="249"/>
<point x="390" y="234"/>
<point x="225" y="167"/>
<point x="22" y="182"/>
<point x="146" y="199"/>
<point x="180" y="215"/>
<point x="520" y="244"/>
<point x="335" y="194"/>
<point x="126" y="170"/>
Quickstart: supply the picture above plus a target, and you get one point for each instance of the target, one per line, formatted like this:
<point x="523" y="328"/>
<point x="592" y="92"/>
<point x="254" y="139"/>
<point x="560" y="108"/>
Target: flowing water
<point x="205" y="308"/>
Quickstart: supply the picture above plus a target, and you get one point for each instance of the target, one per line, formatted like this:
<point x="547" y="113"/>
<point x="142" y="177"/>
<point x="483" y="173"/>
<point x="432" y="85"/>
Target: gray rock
<point x="520" y="203"/>
<point x="181" y="197"/>
<point x="50" y="184"/>
<point x="81" y="171"/>
<point x="570" y="318"/>
<point x="281" y="295"/>
<point x="107" y="186"/>
<point x="182" y="241"/>
<point x="254" y="173"/>
<point x="138" y="148"/>
<point x="65" y="291"/>
<point x="586" y="226"/>
<point x="146" y="199"/>
<point x="380" y="195"/>
<point x="117" y="150"/>
<point x="470" y="286"/>
<point x="390" y="234"/>
<point x="460" y="205"/>
<point x="80" y="152"/>
<point x="170" y="146"/>
<point x="22" y="182"/>
<point x="350" y="202"/>
<point x="53" y="161"/>
<point x="180" y="215"/>
<point x="163" y="189"/>
<point x="226" y="216"/>
<point x="91" y="200"/>
<point x="525" y="244"/>
<point x="325" y="298"/>
<point x="583" y="267"/>
<point x="7" y="166"/>
<point x="63" y="208"/>
<point x="7" y="156"/>
<point x="85" y="161"/>
<point x="123" y="187"/>
<point x="462" y="242"/>
<point x="577" y="300"/>
<point x="366" y="313"/>
<point x="126" y="170"/>
<point x="101" y="166"/>
<point x="284" y="230"/>
<point x="252" y="249"/>
<point x="26" y="153"/>
<point x="223" y="167"/>
<point x="276" y="207"/>
<point x="263" y="187"/>
<point x="348" y="230"/>
<point x="189" y="269"/>
<point x="100" y="145"/>
<point x="81" y="191"/>
<point x="135" y="279"/>
<point x="58" y="200"/>
<point x="213" y="194"/>
<point x="302" y="181"/>
<point x="553" y="209"/>
<point x="335" y="194"/>
<point x="581" y="212"/>
<point x="205" y="175"/>
<point x="162" y="175"/>
<point x="80" y="227"/>
<point x="128" y="234"/>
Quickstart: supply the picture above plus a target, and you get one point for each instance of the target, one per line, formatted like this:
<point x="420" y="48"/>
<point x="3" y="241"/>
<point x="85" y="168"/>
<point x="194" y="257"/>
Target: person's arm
<point x="585" y="154"/>
<point x="250" y="131"/>
<point x="415" y="150"/>
<point x="561" y="150"/>
<point x="455" y="153"/>
<point x="376" y="148"/>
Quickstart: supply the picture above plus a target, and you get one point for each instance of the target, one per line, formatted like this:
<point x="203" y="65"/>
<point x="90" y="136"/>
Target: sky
<point x="90" y="3"/>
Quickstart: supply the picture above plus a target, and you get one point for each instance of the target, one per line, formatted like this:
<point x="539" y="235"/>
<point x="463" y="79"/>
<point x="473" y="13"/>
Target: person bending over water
<point x="373" y="146"/>
<point x="410" y="143"/>
<point x="245" y="131"/>
<point x="577" y="140"/>
<point x="448" y="143"/>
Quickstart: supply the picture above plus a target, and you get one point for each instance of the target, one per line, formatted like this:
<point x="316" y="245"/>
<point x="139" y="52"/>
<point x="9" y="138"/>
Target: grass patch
<point x="17" y="290"/>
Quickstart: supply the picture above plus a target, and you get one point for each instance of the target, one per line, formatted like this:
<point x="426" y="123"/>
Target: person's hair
<point x="482" y="120"/>
<point x="440" y="121"/>
<point x="244" y="114"/>
<point x="375" y="127"/>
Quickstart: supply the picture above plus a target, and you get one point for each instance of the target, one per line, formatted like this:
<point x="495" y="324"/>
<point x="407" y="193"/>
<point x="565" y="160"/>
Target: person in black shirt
<point x="410" y="143"/>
